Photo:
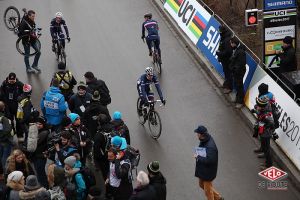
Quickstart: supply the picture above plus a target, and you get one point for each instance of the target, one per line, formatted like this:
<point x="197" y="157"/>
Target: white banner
<point x="289" y="131"/>
<point x="278" y="33"/>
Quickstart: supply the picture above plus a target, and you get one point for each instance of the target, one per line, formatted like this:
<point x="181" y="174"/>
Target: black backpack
<point x="100" y="86"/>
<point x="134" y="156"/>
<point x="5" y="129"/>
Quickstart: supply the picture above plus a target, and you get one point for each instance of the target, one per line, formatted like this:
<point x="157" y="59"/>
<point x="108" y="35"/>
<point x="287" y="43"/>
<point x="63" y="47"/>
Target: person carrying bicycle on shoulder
<point x="25" y="28"/>
<point x="56" y="30"/>
<point x="152" y="28"/>
<point x="144" y="88"/>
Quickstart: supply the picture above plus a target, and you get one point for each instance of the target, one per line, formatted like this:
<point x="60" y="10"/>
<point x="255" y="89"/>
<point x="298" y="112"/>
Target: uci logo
<point x="280" y="13"/>
<point x="186" y="12"/>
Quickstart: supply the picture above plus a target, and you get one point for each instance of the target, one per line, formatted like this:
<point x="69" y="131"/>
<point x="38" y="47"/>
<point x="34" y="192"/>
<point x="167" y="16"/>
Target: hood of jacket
<point x="54" y="90"/>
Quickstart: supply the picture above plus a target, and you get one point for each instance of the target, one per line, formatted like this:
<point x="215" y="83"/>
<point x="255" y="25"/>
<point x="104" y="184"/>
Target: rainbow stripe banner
<point x="190" y="16"/>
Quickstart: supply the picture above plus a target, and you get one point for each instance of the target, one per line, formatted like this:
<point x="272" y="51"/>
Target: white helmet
<point x="149" y="71"/>
<point x="59" y="15"/>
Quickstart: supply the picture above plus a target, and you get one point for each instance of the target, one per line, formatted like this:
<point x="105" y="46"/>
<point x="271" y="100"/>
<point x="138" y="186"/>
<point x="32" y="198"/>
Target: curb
<point x="204" y="65"/>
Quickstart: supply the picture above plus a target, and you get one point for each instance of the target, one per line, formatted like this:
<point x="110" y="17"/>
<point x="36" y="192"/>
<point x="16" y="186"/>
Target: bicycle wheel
<point x="11" y="18"/>
<point x="20" y="46"/>
<point x="158" y="65"/>
<point x="154" y="123"/>
<point x="140" y="113"/>
<point x="62" y="56"/>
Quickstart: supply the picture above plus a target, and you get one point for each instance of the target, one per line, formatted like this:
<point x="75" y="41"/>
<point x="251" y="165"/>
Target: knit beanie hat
<point x="73" y="117"/>
<point x="15" y="176"/>
<point x="71" y="160"/>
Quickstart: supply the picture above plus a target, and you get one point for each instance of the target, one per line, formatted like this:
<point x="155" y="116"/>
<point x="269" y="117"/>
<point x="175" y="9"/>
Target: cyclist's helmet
<point x="149" y="71"/>
<point x="117" y="115"/>
<point x="148" y="15"/>
<point x="58" y="15"/>
<point x="27" y="88"/>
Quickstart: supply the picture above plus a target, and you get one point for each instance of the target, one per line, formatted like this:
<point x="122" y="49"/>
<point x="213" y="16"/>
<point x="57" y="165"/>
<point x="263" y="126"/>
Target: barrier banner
<point x="289" y="131"/>
<point x="190" y="16"/>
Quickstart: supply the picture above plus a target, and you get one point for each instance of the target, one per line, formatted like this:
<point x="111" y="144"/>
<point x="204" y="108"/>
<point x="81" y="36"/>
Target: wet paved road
<point x="106" y="40"/>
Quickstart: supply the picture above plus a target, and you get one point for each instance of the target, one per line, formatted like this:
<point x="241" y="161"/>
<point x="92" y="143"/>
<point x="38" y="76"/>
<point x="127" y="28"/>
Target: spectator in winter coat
<point x="119" y="127"/>
<point x="15" y="184"/>
<point x="118" y="183"/>
<point x="72" y="168"/>
<point x="157" y="180"/>
<point x="91" y="113"/>
<point x="206" y="163"/>
<point x="6" y="138"/>
<point x="38" y="158"/>
<point x="288" y="60"/>
<point x="264" y="128"/>
<point x="56" y="180"/>
<point x="99" y="85"/>
<point x="43" y="195"/>
<point x="80" y="137"/>
<point x="143" y="191"/>
<point x="31" y="188"/>
<point x="10" y="91"/>
<point x="238" y="67"/>
<point x="17" y="161"/>
<point x="80" y="101"/>
<point x="53" y="105"/>
<point x="224" y="53"/>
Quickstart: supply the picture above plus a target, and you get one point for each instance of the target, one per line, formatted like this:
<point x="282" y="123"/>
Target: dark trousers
<point x="27" y="52"/>
<point x="5" y="150"/>
<point x="156" y="42"/>
<point x="228" y="83"/>
<point x="239" y="85"/>
<point x="265" y="146"/>
<point x="39" y="166"/>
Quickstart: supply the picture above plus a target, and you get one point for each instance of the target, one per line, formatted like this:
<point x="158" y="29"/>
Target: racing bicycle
<point x="12" y="21"/>
<point x="60" y="50"/>
<point x="149" y="113"/>
<point x="156" y="59"/>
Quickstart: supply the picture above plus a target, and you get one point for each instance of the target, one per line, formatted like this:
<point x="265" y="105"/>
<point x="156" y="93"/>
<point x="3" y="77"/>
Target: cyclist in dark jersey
<point x="152" y="28"/>
<point x="56" y="30"/>
<point x="144" y="87"/>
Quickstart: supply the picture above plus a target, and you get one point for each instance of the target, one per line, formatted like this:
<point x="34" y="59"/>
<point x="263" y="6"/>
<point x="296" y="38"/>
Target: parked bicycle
<point x="12" y="21"/>
<point x="59" y="50"/>
<point x="149" y="113"/>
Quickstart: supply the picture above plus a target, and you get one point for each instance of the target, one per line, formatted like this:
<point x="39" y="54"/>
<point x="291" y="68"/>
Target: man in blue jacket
<point x="206" y="156"/>
<point x="53" y="105"/>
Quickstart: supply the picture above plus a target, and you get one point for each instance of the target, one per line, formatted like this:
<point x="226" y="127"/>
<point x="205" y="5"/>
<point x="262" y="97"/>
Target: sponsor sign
<point x="279" y="4"/>
<point x="289" y="121"/>
<point x="276" y="33"/>
<point x="271" y="47"/>
<point x="190" y="16"/>
<point x="273" y="176"/>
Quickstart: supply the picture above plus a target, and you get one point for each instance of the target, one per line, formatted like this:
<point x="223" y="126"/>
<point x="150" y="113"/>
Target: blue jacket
<point x="152" y="28"/>
<point x="54" y="106"/>
<point x="206" y="167"/>
<point x="80" y="184"/>
<point x="144" y="86"/>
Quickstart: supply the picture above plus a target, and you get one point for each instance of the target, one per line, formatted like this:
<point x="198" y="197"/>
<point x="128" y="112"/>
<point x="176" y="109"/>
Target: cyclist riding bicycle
<point x="144" y="88"/>
<point x="152" y="28"/>
<point x="56" y="30"/>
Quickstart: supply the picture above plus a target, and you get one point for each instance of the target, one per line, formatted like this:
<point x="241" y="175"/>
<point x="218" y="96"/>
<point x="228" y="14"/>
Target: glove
<point x="164" y="102"/>
<point x="69" y="39"/>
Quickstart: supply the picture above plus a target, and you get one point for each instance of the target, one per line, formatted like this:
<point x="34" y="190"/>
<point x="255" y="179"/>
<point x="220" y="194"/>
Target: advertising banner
<point x="279" y="4"/>
<point x="190" y="16"/>
<point x="289" y="131"/>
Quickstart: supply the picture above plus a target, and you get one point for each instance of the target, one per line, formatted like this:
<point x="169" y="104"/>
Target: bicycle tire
<point x="22" y="52"/>
<point x="62" y="56"/>
<point x="141" y="118"/>
<point x="11" y="22"/>
<point x="156" y="122"/>
<point x="158" y="67"/>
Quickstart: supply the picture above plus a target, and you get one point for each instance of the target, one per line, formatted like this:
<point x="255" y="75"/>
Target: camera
<point x="53" y="139"/>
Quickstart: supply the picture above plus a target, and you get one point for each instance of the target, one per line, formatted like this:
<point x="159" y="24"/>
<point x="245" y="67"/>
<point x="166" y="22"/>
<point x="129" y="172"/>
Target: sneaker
<point x="227" y="91"/>
<point x="238" y="105"/>
<point x="258" y="150"/>
<point x="30" y="70"/>
<point x="37" y="69"/>
<point x="261" y="155"/>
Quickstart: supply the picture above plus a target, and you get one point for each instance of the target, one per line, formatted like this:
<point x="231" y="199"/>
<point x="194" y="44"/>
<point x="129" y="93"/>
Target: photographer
<point x="264" y="128"/>
<point x="62" y="149"/>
